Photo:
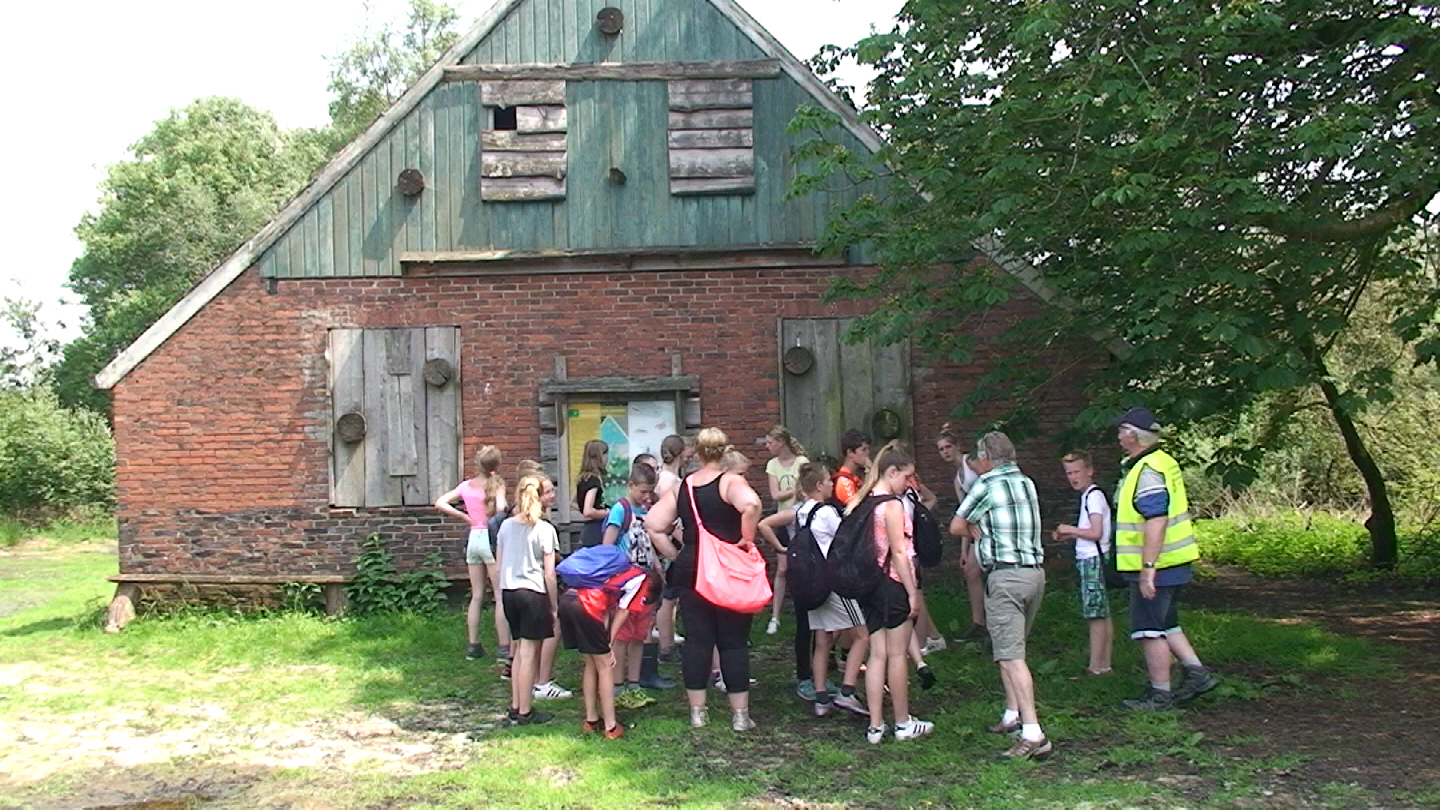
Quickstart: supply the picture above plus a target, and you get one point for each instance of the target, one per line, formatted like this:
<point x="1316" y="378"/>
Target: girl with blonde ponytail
<point x="484" y="498"/>
<point x="526" y="546"/>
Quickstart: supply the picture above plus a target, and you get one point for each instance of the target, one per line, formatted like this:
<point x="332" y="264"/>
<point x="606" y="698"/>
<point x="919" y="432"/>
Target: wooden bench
<point x="122" y="606"/>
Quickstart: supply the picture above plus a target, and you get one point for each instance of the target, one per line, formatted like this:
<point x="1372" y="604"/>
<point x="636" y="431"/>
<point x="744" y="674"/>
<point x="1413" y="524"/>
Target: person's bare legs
<point x="875" y="671"/>
<point x="546" y="655"/>
<point x="666" y="622"/>
<point x="1180" y="646"/>
<point x="634" y="651"/>
<point x="522" y="674"/>
<point x="820" y="659"/>
<point x="502" y="627"/>
<point x="1157" y="659"/>
<point x="739" y="701"/>
<point x="620" y="650"/>
<point x="477" y="598"/>
<point x="897" y="671"/>
<point x="1102" y="632"/>
<point x="859" y="648"/>
<point x="1019" y="690"/>
<point x="912" y="647"/>
<point x="782" y="565"/>
<point x="605" y="686"/>
<point x="589" y="683"/>
<point x="975" y="586"/>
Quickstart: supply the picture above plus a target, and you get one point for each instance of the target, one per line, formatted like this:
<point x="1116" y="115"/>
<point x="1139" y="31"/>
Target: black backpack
<point x="809" y="576"/>
<point x="927" y="538"/>
<point x="854" y="572"/>
<point x="1113" y="578"/>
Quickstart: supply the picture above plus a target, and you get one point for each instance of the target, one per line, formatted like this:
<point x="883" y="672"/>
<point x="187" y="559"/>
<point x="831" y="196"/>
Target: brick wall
<point x="222" y="431"/>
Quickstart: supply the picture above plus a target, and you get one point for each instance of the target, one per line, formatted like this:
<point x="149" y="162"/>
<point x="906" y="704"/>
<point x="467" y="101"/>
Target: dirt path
<point x="1377" y="735"/>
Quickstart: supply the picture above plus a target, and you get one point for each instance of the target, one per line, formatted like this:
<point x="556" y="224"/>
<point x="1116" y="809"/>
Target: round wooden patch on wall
<point x="350" y="428"/>
<point x="410" y="182"/>
<point x="438" y="371"/>
<point x="886" y="425"/>
<point x="798" y="360"/>
<point x="610" y="21"/>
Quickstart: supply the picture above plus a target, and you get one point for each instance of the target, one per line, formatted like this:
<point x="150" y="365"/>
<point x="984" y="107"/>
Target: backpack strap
<point x="1105" y="543"/>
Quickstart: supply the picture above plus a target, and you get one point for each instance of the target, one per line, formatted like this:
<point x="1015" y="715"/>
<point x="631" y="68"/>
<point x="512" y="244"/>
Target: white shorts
<point x="477" y="548"/>
<point x="837" y="614"/>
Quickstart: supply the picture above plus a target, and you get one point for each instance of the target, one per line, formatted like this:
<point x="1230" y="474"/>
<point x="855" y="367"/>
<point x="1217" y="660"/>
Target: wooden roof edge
<point x="247" y="254"/>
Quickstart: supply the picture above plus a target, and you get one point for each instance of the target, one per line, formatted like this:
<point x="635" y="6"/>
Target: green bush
<point x="1313" y="544"/>
<point x="52" y="459"/>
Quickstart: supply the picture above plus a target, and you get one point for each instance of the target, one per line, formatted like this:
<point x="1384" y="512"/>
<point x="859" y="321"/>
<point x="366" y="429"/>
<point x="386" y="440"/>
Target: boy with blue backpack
<point x="625" y="529"/>
<point x="830" y="615"/>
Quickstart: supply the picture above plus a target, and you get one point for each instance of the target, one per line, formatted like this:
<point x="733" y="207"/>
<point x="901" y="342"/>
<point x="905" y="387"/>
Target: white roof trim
<point x="250" y="252"/>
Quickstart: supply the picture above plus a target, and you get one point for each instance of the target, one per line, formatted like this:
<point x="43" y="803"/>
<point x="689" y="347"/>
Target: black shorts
<point x="581" y="631"/>
<point x="528" y="613"/>
<point x="887" y="608"/>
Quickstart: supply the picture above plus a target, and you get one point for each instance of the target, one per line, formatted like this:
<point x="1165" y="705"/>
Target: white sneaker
<point x="773" y="627"/>
<point x="699" y="716"/>
<point x="874" y="735"/>
<point x="915" y="727"/>
<point x="822" y="709"/>
<point x="741" y="722"/>
<point x="851" y="703"/>
<point x="933" y="645"/>
<point x="549" y="691"/>
<point x="679" y="639"/>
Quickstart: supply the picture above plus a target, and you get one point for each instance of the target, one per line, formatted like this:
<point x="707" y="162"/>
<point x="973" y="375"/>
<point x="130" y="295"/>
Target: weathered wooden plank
<point x="508" y="141"/>
<point x="381" y="489"/>
<point x="616" y="71"/>
<point x="549" y="447"/>
<point x="401" y="456"/>
<point x="325" y="233"/>
<point x="447" y="180"/>
<point x="546" y="415"/>
<point x="415" y="489"/>
<point x="712" y="119"/>
<point x="368" y="221"/>
<point x="312" y="241"/>
<point x="857" y="371"/>
<point x="619" y="385"/>
<point x="721" y="94"/>
<point x="442" y="414"/>
<point x="690" y="163"/>
<point x="522" y="164"/>
<point x="507" y="189"/>
<point x="512" y="93"/>
<point x="692" y="412"/>
<point x="892" y="384"/>
<point x="709" y="186"/>
<point x="427" y="169"/>
<point x="711" y="138"/>
<point x="830" y="411"/>
<point x="800" y="393"/>
<point x="540" y="119"/>
<point x="398" y="351"/>
<point x="340" y="233"/>
<point x="347" y="395"/>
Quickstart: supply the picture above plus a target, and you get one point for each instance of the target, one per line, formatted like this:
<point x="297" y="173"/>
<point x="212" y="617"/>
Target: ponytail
<point x="528" y="507"/>
<point x="782" y="434"/>
<point x="890" y="456"/>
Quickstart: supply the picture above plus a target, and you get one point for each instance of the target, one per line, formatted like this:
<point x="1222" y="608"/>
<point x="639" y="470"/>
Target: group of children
<point x="514" y="549"/>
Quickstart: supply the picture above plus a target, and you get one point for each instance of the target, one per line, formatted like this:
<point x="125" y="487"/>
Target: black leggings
<point x="804" y="647"/>
<point x="708" y="627"/>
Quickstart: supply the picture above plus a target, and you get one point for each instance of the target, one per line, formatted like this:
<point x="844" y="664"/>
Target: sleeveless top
<point x="722" y="519"/>
<point x="474" y="498"/>
<point x="882" y="536"/>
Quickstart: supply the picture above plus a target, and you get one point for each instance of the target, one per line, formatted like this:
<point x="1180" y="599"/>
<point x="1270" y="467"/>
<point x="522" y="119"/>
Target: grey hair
<point x="996" y="448"/>
<point x="1143" y="437"/>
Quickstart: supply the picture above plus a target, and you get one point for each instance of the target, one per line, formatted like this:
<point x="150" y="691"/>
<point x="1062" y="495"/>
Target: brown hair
<point x="891" y="455"/>
<point x="529" y="466"/>
<point x="672" y="448"/>
<point x="593" y="463"/>
<point x="641" y="475"/>
<point x="711" y="445"/>
<point x="812" y="475"/>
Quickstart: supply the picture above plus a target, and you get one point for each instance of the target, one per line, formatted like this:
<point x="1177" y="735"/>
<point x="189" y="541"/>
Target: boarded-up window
<point x="712" y="136"/>
<point x="395" y="415"/>
<point x="522" y="156"/>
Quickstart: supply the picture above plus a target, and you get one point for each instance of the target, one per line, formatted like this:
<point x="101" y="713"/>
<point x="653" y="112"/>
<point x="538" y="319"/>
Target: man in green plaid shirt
<point x="1002" y="513"/>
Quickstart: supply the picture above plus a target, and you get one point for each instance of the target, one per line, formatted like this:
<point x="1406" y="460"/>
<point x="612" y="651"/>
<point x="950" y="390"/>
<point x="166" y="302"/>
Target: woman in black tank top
<point x="731" y="511"/>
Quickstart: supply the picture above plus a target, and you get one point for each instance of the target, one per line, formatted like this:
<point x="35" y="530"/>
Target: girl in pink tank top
<point x="483" y="496"/>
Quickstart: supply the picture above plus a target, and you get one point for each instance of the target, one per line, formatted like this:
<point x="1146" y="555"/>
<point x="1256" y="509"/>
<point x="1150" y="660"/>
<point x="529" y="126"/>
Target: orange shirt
<point x="847" y="484"/>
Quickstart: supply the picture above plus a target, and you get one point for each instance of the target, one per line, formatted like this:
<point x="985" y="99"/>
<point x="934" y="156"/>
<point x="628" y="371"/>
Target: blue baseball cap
<point x="1142" y="418"/>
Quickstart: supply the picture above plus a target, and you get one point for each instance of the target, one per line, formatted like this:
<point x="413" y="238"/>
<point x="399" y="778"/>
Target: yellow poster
<point x="628" y="428"/>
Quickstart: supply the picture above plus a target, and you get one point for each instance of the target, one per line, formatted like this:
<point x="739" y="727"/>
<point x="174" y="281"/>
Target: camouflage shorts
<point x="1091" y="578"/>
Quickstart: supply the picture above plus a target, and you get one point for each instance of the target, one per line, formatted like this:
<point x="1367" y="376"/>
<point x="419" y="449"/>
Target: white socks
<point x="1010" y="716"/>
<point x="1031" y="732"/>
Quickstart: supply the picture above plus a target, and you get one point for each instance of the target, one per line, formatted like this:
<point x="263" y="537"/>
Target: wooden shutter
<point x="410" y="450"/>
<point x="529" y="162"/>
<point x="712" y="136"/>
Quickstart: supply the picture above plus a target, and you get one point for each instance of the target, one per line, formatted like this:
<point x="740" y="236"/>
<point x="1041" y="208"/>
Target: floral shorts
<point x="1091" y="578"/>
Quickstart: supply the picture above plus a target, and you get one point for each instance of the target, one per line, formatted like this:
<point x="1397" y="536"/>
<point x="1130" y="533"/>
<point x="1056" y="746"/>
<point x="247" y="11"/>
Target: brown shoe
<point x="615" y="732"/>
<point x="591" y="726"/>
<point x="1004" y="728"/>
<point x="1025" y="749"/>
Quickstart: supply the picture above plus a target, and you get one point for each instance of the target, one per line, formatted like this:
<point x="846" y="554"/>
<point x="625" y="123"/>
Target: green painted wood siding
<point x="362" y="225"/>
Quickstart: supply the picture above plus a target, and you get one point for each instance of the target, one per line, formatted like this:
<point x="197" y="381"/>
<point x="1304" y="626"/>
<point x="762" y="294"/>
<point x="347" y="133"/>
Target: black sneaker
<point x="474" y="652"/>
<point x="1197" y="682"/>
<point x="512" y="715"/>
<point x="1154" y="700"/>
<point x="927" y="677"/>
<point x="533" y="718"/>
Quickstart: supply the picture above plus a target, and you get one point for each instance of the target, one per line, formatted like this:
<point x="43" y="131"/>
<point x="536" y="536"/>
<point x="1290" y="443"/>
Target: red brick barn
<point x="575" y="224"/>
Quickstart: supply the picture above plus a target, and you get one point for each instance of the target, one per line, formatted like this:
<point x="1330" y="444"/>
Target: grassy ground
<point x="295" y="710"/>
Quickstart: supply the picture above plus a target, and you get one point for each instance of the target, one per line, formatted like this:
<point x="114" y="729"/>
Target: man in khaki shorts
<point x="1002" y="513"/>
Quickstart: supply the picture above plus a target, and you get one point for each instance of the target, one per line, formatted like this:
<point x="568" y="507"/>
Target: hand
<point x="1055" y="534"/>
<point x="745" y="545"/>
<point x="610" y="659"/>
<point x="1147" y="583"/>
<point x="965" y="559"/>
<point x="914" y="606"/>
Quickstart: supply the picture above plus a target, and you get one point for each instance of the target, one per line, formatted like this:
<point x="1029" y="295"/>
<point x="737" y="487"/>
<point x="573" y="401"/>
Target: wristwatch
<point x="1149" y="566"/>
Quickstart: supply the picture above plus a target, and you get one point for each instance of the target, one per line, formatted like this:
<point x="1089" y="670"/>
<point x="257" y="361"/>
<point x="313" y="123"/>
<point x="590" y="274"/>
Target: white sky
<point x="89" y="77"/>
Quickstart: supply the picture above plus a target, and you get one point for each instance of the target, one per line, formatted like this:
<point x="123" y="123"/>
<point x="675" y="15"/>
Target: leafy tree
<point x="28" y="359"/>
<point x="52" y="458"/>
<point x="1216" y="185"/>
<point x="196" y="187"/>
<point x="376" y="69"/>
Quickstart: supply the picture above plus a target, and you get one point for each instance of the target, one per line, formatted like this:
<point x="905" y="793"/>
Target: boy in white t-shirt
<point x="1092" y="538"/>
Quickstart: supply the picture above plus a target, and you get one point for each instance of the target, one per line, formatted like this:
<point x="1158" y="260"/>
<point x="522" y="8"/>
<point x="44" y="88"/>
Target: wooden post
<point x="122" y="607"/>
<point x="336" y="599"/>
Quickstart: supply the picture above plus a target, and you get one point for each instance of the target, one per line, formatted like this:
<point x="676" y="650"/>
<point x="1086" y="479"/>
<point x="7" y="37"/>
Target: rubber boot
<point x="650" y="669"/>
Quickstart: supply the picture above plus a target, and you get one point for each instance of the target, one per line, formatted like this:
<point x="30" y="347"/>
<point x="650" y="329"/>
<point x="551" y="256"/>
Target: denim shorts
<point x="477" y="548"/>
<point x="1154" y="618"/>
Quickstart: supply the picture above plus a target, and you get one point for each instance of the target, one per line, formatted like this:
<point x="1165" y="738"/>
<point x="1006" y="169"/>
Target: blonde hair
<point x="949" y="433"/>
<point x="812" y="476"/>
<point x="782" y="434"/>
<point x="891" y="455"/>
<point x="711" y="445"/>
<point x="1078" y="455"/>
<point x="734" y="461"/>
<point x="528" y="506"/>
<point x="593" y="464"/>
<point x="529" y="466"/>
<point x="487" y="461"/>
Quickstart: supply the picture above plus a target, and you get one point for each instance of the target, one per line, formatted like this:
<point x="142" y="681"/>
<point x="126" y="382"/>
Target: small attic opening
<point x="504" y="119"/>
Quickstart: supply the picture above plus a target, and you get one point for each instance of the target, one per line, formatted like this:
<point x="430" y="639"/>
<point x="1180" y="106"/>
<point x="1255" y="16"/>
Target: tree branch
<point x="1351" y="230"/>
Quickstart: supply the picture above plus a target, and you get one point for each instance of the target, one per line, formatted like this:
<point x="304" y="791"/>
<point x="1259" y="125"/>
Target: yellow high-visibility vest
<point x="1180" y="546"/>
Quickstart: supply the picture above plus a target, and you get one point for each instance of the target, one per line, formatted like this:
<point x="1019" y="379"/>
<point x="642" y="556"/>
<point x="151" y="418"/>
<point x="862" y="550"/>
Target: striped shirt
<point x="1004" y="505"/>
